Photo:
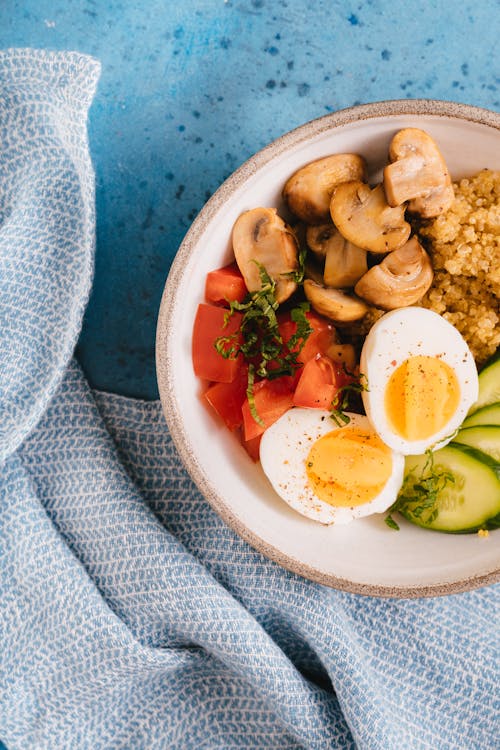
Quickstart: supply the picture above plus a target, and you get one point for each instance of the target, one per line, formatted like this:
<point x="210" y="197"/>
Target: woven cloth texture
<point x="130" y="615"/>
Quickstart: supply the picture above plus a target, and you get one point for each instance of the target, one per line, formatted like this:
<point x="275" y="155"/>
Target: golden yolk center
<point x="422" y="395"/>
<point x="348" y="467"/>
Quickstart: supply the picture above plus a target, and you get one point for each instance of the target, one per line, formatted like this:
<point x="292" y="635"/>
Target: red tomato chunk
<point x="208" y="327"/>
<point x="227" y="399"/>
<point x="272" y="399"/>
<point x="322" y="336"/>
<point x="319" y="383"/>
<point x="225" y="285"/>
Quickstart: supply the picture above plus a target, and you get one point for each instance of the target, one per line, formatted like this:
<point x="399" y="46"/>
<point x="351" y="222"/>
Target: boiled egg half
<point x="328" y="473"/>
<point x="421" y="379"/>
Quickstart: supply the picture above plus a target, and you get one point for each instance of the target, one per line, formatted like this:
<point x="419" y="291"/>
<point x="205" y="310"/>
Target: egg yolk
<point x="422" y="395"/>
<point x="348" y="467"/>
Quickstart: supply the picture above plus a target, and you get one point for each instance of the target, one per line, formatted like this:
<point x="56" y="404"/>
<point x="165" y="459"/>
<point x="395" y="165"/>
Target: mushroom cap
<point x="401" y="279"/>
<point x="364" y="217"/>
<point x="261" y="237"/>
<point x="308" y="191"/>
<point x="418" y="174"/>
<point x="334" y="304"/>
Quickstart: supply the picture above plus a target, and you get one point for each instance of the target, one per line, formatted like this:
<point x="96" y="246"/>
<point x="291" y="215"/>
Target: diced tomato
<point x="272" y="399"/>
<point x="227" y="398"/>
<point x="319" y="383"/>
<point x="208" y="363"/>
<point x="225" y="285"/>
<point x="322" y="336"/>
<point x="252" y="447"/>
<point x="317" y="343"/>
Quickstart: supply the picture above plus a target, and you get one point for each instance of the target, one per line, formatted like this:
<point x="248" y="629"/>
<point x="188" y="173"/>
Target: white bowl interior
<point x="365" y="556"/>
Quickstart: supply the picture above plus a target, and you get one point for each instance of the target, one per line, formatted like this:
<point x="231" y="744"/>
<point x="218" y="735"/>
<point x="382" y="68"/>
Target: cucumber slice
<point x="489" y="384"/>
<point x="485" y="438"/>
<point x="455" y="490"/>
<point x="486" y="415"/>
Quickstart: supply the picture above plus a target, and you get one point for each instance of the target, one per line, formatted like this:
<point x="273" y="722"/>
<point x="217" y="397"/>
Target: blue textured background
<point x="190" y="89"/>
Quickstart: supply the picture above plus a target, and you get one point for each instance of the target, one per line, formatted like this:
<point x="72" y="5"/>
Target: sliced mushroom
<point x="320" y="237"/>
<point x="308" y="191"/>
<point x="344" y="263"/>
<point x="418" y="174"/>
<point x="334" y="304"/>
<point x="401" y="279"/>
<point x="261" y="238"/>
<point x="436" y="202"/>
<point x="364" y="217"/>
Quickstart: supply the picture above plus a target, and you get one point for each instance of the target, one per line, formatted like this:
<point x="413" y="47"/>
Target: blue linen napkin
<point x="131" y="616"/>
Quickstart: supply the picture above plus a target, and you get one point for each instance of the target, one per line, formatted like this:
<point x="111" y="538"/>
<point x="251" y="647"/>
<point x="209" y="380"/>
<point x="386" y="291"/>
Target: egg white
<point x="283" y="452"/>
<point x="405" y="333"/>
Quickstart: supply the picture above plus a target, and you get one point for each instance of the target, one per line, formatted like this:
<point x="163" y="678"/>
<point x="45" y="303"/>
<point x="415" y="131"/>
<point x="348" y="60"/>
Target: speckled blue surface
<point x="191" y="89"/>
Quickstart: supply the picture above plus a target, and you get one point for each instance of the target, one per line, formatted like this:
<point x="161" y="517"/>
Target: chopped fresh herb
<point x="259" y="339"/>
<point x="251" y="396"/>
<point x="340" y="417"/>
<point x="391" y="522"/>
<point x="298" y="316"/>
<point x="298" y="274"/>
<point x="341" y="401"/>
<point x="226" y="347"/>
<point x="419" y="496"/>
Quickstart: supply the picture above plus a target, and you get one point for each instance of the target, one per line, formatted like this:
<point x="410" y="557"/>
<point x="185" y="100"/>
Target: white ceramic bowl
<point x="365" y="556"/>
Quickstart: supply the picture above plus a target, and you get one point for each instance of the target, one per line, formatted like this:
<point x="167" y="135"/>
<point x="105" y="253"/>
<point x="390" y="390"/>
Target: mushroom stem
<point x="344" y="263"/>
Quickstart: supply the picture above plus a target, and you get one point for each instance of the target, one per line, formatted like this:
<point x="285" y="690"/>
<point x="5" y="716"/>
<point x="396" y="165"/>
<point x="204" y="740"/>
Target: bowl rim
<point x="331" y="121"/>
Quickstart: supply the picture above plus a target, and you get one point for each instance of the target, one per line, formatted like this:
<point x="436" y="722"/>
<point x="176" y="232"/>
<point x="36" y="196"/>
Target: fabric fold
<point x="47" y="228"/>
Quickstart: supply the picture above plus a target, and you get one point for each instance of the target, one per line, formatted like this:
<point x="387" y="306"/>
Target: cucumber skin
<point x="488" y="397"/>
<point x="475" y="419"/>
<point x="494" y="436"/>
<point x="489" y="524"/>
<point x="479" y="456"/>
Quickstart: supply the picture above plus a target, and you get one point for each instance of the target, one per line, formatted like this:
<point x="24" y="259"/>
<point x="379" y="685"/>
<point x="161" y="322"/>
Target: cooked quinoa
<point x="464" y="244"/>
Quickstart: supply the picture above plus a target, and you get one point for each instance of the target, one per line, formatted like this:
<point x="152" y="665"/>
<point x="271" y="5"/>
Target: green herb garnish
<point x="259" y="339"/>
<point x="419" y="496"/>
<point x="391" y="522"/>
<point x="299" y="338"/>
<point x="251" y="397"/>
<point x="341" y="401"/>
<point x="298" y="274"/>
